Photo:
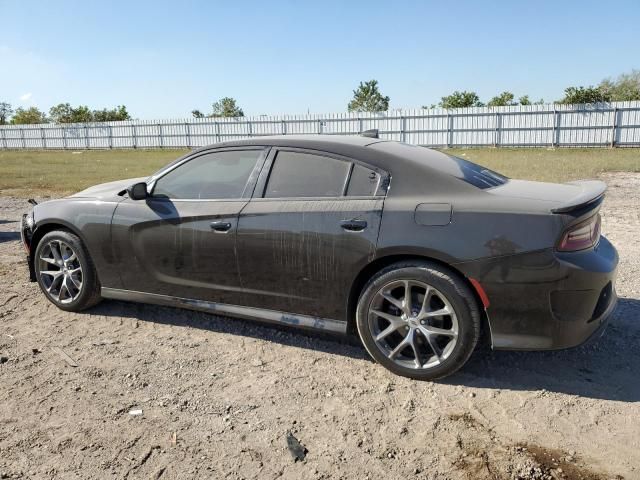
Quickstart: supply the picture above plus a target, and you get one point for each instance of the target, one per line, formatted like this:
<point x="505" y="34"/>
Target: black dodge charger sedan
<point x="415" y="250"/>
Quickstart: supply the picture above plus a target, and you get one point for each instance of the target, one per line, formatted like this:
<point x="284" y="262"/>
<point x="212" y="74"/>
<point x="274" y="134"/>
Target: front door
<point x="310" y="228"/>
<point x="180" y="241"/>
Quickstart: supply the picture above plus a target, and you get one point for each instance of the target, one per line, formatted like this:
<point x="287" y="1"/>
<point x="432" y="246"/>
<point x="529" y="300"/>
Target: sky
<point x="163" y="59"/>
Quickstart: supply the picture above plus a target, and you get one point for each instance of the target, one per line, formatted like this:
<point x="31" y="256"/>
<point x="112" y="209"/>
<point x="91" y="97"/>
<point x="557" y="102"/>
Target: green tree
<point x="82" y="114"/>
<point x="573" y="95"/>
<point x="61" y="113"/>
<point x="5" y="112"/>
<point x="65" y="113"/>
<point x="503" y="100"/>
<point x="226" y="107"/>
<point x="197" y="114"/>
<point x="461" y="100"/>
<point x="624" y="88"/>
<point x="367" y="98"/>
<point x="28" y="116"/>
<point x="111" y="115"/>
<point x="524" y="100"/>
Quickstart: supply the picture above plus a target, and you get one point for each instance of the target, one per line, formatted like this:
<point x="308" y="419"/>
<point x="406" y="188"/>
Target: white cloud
<point x="26" y="97"/>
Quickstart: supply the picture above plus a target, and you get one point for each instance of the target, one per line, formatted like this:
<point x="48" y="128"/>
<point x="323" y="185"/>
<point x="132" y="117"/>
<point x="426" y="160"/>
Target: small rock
<point x="472" y="395"/>
<point x="4" y="360"/>
<point x="135" y="412"/>
<point x="257" y="362"/>
<point x="296" y="449"/>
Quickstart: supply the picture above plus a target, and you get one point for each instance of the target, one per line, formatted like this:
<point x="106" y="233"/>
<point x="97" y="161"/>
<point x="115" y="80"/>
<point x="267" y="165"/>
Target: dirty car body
<point x="289" y="241"/>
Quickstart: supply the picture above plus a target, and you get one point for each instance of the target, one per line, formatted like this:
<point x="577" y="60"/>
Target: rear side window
<point x="296" y="174"/>
<point x="364" y="182"/>
<point x="216" y="175"/>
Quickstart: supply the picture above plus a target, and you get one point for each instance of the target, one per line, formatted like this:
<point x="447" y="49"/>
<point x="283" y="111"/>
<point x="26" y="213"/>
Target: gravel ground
<point x="219" y="397"/>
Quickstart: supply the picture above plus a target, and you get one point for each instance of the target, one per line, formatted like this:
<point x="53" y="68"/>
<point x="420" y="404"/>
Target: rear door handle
<point x="353" y="225"/>
<point x="220" y="226"/>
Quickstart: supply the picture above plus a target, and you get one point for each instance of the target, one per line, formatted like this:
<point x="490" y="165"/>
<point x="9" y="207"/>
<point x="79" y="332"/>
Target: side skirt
<point x="259" y="314"/>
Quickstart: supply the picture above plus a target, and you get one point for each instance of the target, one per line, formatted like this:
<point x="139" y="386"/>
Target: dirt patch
<point x="165" y="393"/>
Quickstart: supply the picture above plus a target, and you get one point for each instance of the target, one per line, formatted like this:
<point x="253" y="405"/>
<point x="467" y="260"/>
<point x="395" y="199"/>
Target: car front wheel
<point x="65" y="272"/>
<point x="418" y="320"/>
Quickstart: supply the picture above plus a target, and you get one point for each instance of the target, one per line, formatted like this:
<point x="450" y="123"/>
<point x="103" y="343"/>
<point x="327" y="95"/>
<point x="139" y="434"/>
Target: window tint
<point x="363" y="182"/>
<point x="209" y="176"/>
<point x="297" y="174"/>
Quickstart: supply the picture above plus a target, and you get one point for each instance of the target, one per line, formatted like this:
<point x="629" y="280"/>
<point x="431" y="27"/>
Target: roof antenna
<point x="370" y="133"/>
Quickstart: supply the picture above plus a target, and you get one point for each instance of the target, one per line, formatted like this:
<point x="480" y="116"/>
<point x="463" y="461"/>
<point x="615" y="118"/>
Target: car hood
<point x="108" y="189"/>
<point x="559" y="197"/>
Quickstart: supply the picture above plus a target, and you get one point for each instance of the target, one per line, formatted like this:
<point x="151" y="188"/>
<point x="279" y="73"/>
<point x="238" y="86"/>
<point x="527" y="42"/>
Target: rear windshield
<point x="462" y="169"/>
<point x="477" y="175"/>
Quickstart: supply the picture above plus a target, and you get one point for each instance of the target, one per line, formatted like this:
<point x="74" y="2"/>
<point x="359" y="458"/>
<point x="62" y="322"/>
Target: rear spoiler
<point x="591" y="195"/>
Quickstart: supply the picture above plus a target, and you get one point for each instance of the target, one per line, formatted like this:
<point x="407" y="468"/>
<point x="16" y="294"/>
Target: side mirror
<point x="138" y="191"/>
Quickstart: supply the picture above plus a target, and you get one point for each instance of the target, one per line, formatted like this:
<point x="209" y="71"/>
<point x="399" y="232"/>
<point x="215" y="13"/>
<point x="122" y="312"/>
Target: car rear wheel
<point x="418" y="320"/>
<point x="65" y="272"/>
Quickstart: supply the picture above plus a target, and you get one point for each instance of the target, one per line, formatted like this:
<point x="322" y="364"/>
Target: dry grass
<point x="55" y="173"/>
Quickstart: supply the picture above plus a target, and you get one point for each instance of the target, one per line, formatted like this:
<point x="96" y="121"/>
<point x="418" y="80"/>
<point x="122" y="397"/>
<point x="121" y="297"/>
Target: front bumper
<point x="548" y="300"/>
<point x="26" y="234"/>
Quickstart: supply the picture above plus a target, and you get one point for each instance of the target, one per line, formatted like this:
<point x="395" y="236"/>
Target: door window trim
<point x="248" y="189"/>
<point x="263" y="180"/>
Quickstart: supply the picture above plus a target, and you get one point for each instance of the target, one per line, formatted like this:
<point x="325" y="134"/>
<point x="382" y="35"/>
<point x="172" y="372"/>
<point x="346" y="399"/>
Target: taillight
<point x="583" y="235"/>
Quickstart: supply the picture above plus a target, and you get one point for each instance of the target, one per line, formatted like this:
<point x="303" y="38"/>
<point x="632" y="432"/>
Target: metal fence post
<point x="187" y="127"/>
<point x="160" y="132"/>
<point x="556" y="132"/>
<point x="284" y="127"/>
<point x="217" y="129"/>
<point x="44" y="140"/>
<point x="86" y="137"/>
<point x="135" y="136"/>
<point x="402" y="129"/>
<point x="110" y="136"/>
<point x="449" y="129"/>
<point x="4" y="138"/>
<point x="24" y="142"/>
<point x="64" y="138"/>
<point x="497" y="136"/>
<point x="614" y="127"/>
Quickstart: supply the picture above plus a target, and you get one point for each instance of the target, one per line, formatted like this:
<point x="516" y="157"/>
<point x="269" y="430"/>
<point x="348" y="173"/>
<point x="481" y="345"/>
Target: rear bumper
<point x="548" y="300"/>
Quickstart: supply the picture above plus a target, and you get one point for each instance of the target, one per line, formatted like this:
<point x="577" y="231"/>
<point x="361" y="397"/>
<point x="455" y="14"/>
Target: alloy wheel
<point x="413" y="324"/>
<point x="60" y="271"/>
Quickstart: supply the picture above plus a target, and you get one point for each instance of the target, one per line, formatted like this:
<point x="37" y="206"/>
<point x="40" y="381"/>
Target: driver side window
<point x="214" y="175"/>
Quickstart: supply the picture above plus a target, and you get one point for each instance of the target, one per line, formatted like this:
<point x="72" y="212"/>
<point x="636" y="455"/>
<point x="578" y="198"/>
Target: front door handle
<point x="220" y="226"/>
<point x="353" y="225"/>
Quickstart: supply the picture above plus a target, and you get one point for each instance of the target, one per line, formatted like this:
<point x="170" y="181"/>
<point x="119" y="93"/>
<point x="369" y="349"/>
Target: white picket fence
<point x="598" y="125"/>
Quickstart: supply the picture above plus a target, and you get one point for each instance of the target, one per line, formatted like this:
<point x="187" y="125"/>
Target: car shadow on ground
<point x="348" y="346"/>
<point x="9" y="236"/>
<point x="604" y="369"/>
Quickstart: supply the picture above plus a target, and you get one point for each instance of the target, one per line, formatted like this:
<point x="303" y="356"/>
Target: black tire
<point x="446" y="283"/>
<point x="88" y="294"/>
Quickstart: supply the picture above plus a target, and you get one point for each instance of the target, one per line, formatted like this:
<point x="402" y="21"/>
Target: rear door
<point x="180" y="241"/>
<point x="311" y="226"/>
